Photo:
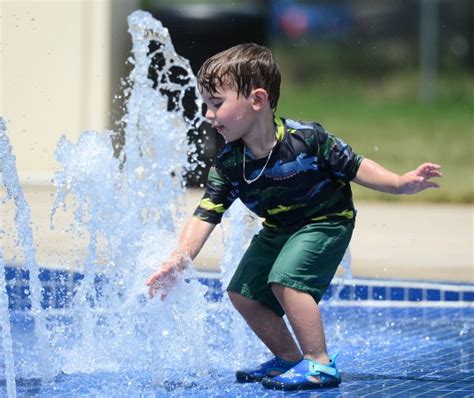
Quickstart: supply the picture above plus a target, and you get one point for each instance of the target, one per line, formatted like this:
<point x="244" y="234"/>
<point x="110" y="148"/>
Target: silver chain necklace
<point x="261" y="171"/>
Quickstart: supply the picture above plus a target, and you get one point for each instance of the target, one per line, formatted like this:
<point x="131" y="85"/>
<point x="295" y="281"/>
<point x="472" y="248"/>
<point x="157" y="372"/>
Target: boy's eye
<point x="217" y="104"/>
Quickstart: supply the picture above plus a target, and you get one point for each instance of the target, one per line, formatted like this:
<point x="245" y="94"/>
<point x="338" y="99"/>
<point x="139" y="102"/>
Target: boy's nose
<point x="210" y="114"/>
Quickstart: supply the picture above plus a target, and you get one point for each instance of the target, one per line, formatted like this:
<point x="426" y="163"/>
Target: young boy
<point x="296" y="176"/>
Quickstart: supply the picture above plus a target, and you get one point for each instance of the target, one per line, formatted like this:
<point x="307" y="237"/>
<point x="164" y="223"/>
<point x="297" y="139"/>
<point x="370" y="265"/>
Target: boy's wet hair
<point x="244" y="68"/>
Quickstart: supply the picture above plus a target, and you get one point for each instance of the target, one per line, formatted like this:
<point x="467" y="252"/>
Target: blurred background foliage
<point x="393" y="78"/>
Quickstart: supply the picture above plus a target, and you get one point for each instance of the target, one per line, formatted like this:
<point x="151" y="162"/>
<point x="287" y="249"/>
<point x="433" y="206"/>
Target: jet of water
<point x="125" y="208"/>
<point x="10" y="181"/>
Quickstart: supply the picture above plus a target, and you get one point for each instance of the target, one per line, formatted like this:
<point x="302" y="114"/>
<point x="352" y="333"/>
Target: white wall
<point x="57" y="75"/>
<point x="60" y="64"/>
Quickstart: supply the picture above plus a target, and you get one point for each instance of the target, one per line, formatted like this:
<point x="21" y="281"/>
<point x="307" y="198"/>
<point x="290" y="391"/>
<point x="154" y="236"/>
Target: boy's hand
<point x="417" y="180"/>
<point x="193" y="236"/>
<point x="162" y="280"/>
<point x="165" y="277"/>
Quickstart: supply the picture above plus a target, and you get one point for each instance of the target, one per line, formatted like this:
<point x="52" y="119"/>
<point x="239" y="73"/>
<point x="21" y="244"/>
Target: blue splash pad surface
<point x="383" y="352"/>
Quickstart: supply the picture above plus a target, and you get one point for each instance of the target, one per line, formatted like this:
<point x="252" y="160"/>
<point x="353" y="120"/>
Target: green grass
<point x="384" y="120"/>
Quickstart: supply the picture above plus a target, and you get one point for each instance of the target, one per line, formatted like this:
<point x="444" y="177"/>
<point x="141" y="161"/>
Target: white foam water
<point x="22" y="219"/>
<point x="129" y="204"/>
<point x="125" y="207"/>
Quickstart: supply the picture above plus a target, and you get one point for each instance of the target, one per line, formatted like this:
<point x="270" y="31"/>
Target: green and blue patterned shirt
<point x="306" y="179"/>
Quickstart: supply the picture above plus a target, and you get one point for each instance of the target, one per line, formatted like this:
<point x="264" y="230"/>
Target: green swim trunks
<point x="305" y="260"/>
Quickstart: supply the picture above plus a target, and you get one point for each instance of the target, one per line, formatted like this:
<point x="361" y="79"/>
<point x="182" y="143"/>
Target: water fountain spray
<point x="125" y="208"/>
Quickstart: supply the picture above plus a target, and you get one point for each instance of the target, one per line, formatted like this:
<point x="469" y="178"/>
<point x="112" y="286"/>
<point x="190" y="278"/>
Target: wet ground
<point x="389" y="352"/>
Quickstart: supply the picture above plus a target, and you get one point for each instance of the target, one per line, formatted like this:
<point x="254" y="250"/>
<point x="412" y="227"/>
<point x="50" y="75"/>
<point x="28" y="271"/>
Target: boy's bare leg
<point x="269" y="327"/>
<point x="305" y="319"/>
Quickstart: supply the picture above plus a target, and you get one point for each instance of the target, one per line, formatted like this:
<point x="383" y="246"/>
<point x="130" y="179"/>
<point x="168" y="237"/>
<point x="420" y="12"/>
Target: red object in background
<point x="294" y="22"/>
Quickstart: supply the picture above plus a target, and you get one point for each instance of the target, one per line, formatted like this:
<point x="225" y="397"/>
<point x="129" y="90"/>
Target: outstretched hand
<point x="194" y="234"/>
<point x="419" y="179"/>
<point x="165" y="277"/>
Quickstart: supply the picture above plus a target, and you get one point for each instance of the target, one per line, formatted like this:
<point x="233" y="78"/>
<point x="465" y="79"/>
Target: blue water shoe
<point x="306" y="375"/>
<point x="270" y="368"/>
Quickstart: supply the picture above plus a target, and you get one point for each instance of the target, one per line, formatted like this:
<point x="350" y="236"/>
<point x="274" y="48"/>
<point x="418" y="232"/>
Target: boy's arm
<point x="374" y="176"/>
<point x="192" y="238"/>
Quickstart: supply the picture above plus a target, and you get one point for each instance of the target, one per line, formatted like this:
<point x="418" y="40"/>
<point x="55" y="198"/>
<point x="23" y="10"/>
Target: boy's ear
<point x="259" y="98"/>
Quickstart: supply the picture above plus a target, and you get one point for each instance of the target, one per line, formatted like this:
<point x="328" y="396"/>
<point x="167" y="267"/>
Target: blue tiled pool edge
<point x="58" y="287"/>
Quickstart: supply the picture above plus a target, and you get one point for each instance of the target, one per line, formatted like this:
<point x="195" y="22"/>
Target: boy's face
<point x="233" y="116"/>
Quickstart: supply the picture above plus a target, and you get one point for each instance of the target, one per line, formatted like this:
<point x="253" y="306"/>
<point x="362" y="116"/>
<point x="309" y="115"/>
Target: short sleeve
<point x="339" y="158"/>
<point x="217" y="197"/>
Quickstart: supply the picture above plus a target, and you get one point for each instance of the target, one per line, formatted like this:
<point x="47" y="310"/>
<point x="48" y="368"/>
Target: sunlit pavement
<point x="391" y="240"/>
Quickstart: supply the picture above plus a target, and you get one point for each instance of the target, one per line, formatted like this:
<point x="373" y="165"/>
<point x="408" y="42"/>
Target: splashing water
<point x="125" y="206"/>
<point x="7" y="343"/>
<point x="128" y="204"/>
<point x="14" y="192"/>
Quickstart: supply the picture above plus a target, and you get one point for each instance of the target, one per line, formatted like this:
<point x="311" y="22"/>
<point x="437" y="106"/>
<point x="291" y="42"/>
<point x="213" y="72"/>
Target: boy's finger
<point x="429" y="168"/>
<point x="151" y="292"/>
<point x="431" y="165"/>
<point x="431" y="184"/>
<point x="153" y="278"/>
<point x="153" y="286"/>
<point x="433" y="173"/>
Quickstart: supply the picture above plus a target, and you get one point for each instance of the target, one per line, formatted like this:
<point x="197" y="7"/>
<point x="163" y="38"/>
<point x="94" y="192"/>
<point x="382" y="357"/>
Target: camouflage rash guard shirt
<point x="306" y="179"/>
